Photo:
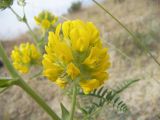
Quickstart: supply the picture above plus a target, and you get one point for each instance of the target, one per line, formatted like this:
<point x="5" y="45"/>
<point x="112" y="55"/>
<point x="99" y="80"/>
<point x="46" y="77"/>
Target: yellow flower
<point x="46" y="19"/>
<point x="61" y="82"/>
<point x="45" y="24"/>
<point x="60" y="48"/>
<point x="52" y="69"/>
<point x="72" y="71"/>
<point x="24" y="56"/>
<point x="89" y="85"/>
<point x="75" y="52"/>
<point x="81" y="34"/>
<point x="96" y="57"/>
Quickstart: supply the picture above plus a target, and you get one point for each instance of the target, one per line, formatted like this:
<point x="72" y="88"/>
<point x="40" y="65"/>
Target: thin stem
<point x="118" y="50"/>
<point x="18" y="16"/>
<point x="135" y="37"/>
<point x="25" y="21"/>
<point x="7" y="63"/>
<point x="73" y="102"/>
<point x="31" y="32"/>
<point x="21" y="83"/>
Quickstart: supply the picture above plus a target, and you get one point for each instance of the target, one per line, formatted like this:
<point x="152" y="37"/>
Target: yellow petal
<point x="61" y="82"/>
<point x="101" y="76"/>
<point x="95" y="57"/>
<point x="79" y="39"/>
<point x="66" y="28"/>
<point x="38" y="21"/>
<point x="58" y="29"/>
<point x="89" y="85"/>
<point x="72" y="71"/>
<point x="45" y="24"/>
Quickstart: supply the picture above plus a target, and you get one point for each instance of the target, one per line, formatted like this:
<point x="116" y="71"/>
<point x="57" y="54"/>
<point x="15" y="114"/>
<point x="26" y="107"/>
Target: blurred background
<point x="9" y="23"/>
<point x="129" y="61"/>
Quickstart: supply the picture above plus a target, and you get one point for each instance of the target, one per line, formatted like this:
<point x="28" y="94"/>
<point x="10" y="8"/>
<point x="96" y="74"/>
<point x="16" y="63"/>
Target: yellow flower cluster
<point x="75" y="53"/>
<point x="24" y="56"/>
<point x="46" y="19"/>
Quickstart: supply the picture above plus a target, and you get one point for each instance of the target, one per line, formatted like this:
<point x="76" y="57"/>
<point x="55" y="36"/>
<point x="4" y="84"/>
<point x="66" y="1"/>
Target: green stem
<point x="7" y="63"/>
<point x="21" y="83"/>
<point x="118" y="50"/>
<point x="14" y="12"/>
<point x="25" y="21"/>
<point x="38" y="99"/>
<point x="31" y="32"/>
<point x="73" y="103"/>
<point x="123" y="26"/>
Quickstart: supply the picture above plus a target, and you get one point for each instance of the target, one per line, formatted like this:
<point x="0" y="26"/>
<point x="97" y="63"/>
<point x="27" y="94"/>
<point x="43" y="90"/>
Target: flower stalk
<point x="21" y="83"/>
<point x="74" y="100"/>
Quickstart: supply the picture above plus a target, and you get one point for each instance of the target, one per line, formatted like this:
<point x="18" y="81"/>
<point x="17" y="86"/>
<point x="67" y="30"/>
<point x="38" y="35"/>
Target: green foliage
<point x="65" y="113"/>
<point x="5" y="4"/>
<point x="107" y="96"/>
<point x="104" y="95"/>
<point x="124" y="85"/>
<point x="5" y="83"/>
<point x="76" y="6"/>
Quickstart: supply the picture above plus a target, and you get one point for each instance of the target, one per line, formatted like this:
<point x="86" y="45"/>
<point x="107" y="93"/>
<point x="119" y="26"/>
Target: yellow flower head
<point x="24" y="56"/>
<point x="46" y="19"/>
<point x="74" y="52"/>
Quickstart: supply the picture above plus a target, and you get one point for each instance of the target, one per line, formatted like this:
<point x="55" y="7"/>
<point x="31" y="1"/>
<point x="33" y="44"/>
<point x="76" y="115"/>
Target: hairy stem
<point x="123" y="26"/>
<point x="31" y="32"/>
<point x="21" y="83"/>
<point x="73" y="102"/>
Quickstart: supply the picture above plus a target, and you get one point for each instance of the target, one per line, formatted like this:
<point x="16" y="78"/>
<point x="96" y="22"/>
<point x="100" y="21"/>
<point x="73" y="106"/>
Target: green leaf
<point x="6" y="82"/>
<point x="36" y="75"/>
<point x="108" y="96"/>
<point x="65" y="113"/>
<point x="5" y="4"/>
<point x="120" y="88"/>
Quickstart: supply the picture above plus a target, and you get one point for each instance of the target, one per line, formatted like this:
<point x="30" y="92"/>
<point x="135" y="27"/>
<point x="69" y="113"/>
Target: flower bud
<point x="46" y="19"/>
